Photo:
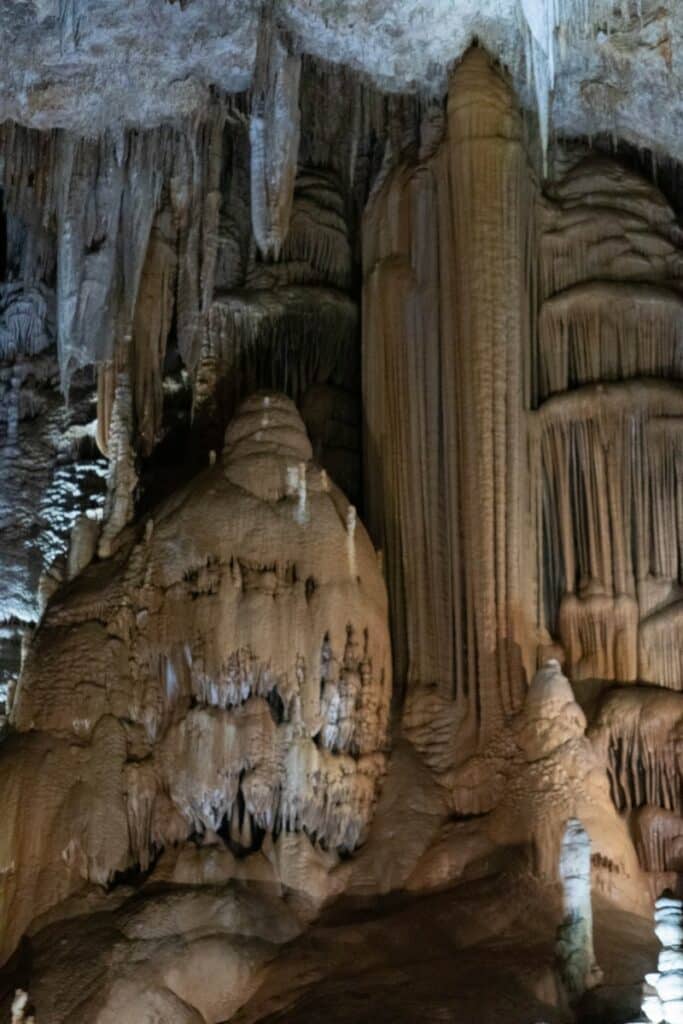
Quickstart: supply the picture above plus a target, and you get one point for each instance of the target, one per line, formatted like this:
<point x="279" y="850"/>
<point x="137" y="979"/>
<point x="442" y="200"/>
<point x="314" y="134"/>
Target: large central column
<point x="447" y="260"/>
<point x="491" y="205"/>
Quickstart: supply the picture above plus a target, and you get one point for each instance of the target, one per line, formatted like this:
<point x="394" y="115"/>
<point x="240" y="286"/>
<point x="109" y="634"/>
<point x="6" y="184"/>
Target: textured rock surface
<point x="613" y="69"/>
<point x="228" y="671"/>
<point x="249" y="253"/>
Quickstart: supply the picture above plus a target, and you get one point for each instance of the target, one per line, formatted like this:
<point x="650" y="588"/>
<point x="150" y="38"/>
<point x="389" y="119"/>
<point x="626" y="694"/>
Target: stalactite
<point x="151" y="329"/>
<point x="107" y="199"/>
<point x="274" y="134"/>
<point x="607" y="223"/>
<point x="637" y="730"/>
<point x="608" y="331"/>
<point x="611" y="492"/>
<point x="318" y="231"/>
<point x="195" y="203"/>
<point x="542" y="18"/>
<point x="122" y="480"/>
<point x="28" y="173"/>
<point x="659" y="839"/>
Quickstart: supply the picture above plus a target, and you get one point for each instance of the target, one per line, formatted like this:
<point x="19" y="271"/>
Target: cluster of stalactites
<point x="638" y="731"/>
<point x="27" y="325"/>
<point x="605" y="452"/>
<point x="129" y="219"/>
<point x="611" y="488"/>
<point x="637" y="734"/>
<point x="659" y="839"/>
<point x="609" y="331"/>
<point x="605" y="223"/>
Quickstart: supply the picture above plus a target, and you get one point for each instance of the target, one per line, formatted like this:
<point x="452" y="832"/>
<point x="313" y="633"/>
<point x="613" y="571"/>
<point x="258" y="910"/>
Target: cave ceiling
<point x="91" y="64"/>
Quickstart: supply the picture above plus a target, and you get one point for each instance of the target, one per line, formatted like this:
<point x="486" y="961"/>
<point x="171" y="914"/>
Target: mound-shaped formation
<point x="227" y="671"/>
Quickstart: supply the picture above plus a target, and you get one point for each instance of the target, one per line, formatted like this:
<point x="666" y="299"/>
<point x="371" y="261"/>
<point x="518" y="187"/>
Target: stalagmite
<point x="122" y="481"/>
<point x="578" y="968"/>
<point x="663" y="999"/>
<point x="19" y="1004"/>
<point x="241" y="659"/>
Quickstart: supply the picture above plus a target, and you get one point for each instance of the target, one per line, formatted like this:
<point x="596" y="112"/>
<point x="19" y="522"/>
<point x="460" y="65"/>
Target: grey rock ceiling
<point x="90" y="64"/>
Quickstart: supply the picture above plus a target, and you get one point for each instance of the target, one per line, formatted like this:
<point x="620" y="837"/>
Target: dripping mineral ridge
<point x="341" y="511"/>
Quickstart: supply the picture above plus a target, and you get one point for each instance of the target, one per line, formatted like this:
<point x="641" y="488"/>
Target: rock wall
<point x="523" y="415"/>
<point x="203" y="745"/>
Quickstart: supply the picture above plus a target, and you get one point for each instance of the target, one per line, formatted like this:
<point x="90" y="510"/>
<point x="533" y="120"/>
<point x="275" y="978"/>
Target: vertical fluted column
<point x="490" y="195"/>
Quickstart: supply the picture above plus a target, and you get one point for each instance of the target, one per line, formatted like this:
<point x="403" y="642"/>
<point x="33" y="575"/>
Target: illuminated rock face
<point x="200" y="754"/>
<point x="443" y="343"/>
<point x="229" y="671"/>
<point x="663" y="989"/>
<point x="575" y="935"/>
<point x="532" y="340"/>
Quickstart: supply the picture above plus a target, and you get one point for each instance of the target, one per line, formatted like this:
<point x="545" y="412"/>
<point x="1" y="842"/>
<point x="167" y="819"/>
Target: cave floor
<point x="419" y="959"/>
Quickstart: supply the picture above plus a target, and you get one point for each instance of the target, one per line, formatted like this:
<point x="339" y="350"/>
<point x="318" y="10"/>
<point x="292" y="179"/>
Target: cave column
<point x="491" y="197"/>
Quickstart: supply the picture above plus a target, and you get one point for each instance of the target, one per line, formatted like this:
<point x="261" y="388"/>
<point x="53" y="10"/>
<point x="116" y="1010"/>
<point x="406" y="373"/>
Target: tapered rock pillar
<point x="490" y="193"/>
<point x="447" y="257"/>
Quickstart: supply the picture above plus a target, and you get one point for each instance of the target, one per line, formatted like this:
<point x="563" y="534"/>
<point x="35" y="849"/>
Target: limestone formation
<point x="439" y="364"/>
<point x="663" y="989"/>
<point x="241" y="682"/>
<point x="269" y="274"/>
<point x="575" y="936"/>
